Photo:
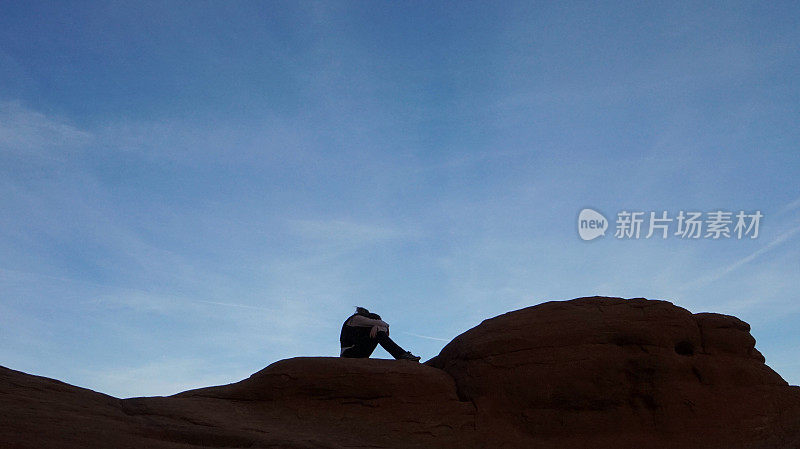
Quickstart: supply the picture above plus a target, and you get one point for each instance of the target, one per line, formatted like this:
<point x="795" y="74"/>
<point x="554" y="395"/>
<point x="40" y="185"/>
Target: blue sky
<point x="190" y="191"/>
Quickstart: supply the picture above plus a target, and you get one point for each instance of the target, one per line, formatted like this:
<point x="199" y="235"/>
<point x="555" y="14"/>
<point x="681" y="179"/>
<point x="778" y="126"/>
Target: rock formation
<point x="591" y="372"/>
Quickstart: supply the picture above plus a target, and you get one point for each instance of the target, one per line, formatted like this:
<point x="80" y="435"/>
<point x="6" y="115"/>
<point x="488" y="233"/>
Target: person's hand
<point x="373" y="332"/>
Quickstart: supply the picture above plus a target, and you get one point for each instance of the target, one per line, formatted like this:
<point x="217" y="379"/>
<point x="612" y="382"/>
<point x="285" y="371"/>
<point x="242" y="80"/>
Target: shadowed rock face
<point x="611" y="372"/>
<point x="591" y="372"/>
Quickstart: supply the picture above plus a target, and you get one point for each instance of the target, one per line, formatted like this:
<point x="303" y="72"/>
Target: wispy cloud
<point x="790" y="207"/>
<point x="239" y="227"/>
<point x="29" y="133"/>
<point x="426" y="337"/>
<point x="724" y="271"/>
<point x="240" y="306"/>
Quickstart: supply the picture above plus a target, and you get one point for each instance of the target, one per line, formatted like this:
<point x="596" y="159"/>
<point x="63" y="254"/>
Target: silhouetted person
<point x="364" y="331"/>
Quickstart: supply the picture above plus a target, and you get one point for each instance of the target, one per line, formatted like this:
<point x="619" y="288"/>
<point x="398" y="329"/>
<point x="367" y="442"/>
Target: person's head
<point x="361" y="311"/>
<point x="364" y="312"/>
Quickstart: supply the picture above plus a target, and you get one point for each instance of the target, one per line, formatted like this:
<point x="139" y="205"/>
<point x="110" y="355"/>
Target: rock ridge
<point x="596" y="372"/>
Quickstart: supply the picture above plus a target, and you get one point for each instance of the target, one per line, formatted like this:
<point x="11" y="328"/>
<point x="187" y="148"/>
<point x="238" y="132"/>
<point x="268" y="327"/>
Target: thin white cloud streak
<point x="136" y="299"/>
<point x="426" y="337"/>
<point x="241" y="306"/>
<point x="705" y="280"/>
<point x="790" y="207"/>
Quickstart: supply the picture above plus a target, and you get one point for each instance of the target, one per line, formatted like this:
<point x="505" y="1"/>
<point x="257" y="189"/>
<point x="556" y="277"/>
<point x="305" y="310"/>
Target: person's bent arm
<point x="376" y="325"/>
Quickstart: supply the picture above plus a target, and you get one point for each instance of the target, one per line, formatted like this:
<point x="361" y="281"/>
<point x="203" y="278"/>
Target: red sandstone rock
<point x="610" y="372"/>
<point x="586" y="373"/>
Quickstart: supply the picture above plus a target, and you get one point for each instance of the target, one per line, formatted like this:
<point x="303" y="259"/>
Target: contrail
<point x="122" y="289"/>
<point x="228" y="304"/>
<point x="425" y="336"/>
<point x="724" y="271"/>
<point x="791" y="206"/>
